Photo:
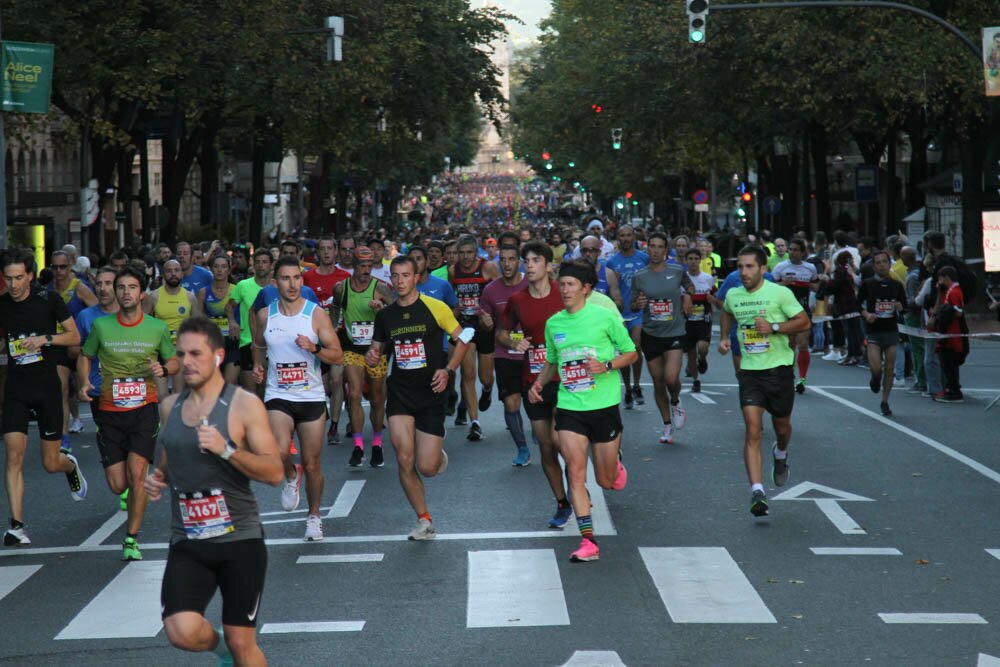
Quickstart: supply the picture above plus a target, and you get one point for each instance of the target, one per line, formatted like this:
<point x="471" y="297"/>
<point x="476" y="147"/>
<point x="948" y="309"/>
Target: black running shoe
<point x="333" y="435"/>
<point x="637" y="393"/>
<point x="462" y="418"/>
<point x="779" y="472"/>
<point x="886" y="412"/>
<point x="486" y="398"/>
<point x="800" y="386"/>
<point x="875" y="383"/>
<point x="357" y="457"/>
<point x="377" y="460"/>
<point x="475" y="432"/>
<point x="758" y="504"/>
<point x="696" y="386"/>
<point x="452" y="402"/>
<point x="628" y="400"/>
<point x="702" y="364"/>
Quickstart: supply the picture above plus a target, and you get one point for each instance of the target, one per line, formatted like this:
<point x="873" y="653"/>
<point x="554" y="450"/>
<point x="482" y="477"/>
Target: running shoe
<point x="452" y="402"/>
<point x="333" y="435"/>
<point x="637" y="393"/>
<point x="16" y="537"/>
<point x="314" y="529"/>
<point x="758" y="503"/>
<point x="123" y="501"/>
<point x="444" y="463"/>
<point x="884" y="407"/>
<point x="696" y="387"/>
<point x="800" y="386"/>
<point x="475" y="432"/>
<point x="523" y="458"/>
<point x="424" y="531"/>
<point x="357" y="457"/>
<point x="621" y="479"/>
<point x="779" y="471"/>
<point x="561" y="517"/>
<point x="668" y="434"/>
<point x="290" y="491"/>
<point x="678" y="417"/>
<point x="77" y="482"/>
<point x="587" y="552"/>
<point x="130" y="549"/>
<point x="75" y="425"/>
<point x="462" y="417"/>
<point x="377" y="458"/>
<point x="945" y="397"/>
<point x="64" y="445"/>
<point x="629" y="403"/>
<point x="863" y="364"/>
<point x="702" y="364"/>
<point x="486" y="398"/>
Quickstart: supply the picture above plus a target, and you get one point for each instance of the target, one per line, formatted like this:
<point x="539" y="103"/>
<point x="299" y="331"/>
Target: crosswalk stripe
<point x="13" y="576"/>
<point x="344" y="503"/>
<point x="933" y="618"/>
<point x="515" y="588"/>
<point x="994" y="552"/>
<point x="704" y="585"/>
<point x="129" y="606"/>
<point x="595" y="659"/>
<point x="312" y="626"/>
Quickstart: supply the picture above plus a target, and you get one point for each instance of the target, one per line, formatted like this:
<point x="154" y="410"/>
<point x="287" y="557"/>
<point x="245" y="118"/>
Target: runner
<point x="415" y="325"/>
<point x="440" y="289"/>
<point x="215" y="440"/>
<point x="29" y="316"/>
<point x="580" y="343"/>
<point x="698" y="331"/>
<point x="661" y="293"/>
<point x="733" y="281"/>
<point x="355" y="303"/>
<point x="528" y="310"/>
<point x="882" y="298"/>
<point x="380" y="271"/>
<point x="129" y="348"/>
<point x="242" y="298"/>
<point x="802" y="278"/>
<point x="590" y="250"/>
<point x="508" y="361"/>
<point x="293" y="335"/>
<point x="468" y="277"/>
<point x="346" y="255"/>
<point x="765" y="314"/>
<point x="624" y="265"/>
<point x="194" y="278"/>
<point x="173" y="304"/>
<point x="214" y="301"/>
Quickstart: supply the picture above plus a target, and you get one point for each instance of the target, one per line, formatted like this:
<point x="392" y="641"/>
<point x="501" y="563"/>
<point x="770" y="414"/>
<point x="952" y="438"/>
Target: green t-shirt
<point x="244" y="294"/>
<point x="441" y="272"/>
<point x="775" y="303"/>
<point x="570" y="339"/>
<point x="124" y="352"/>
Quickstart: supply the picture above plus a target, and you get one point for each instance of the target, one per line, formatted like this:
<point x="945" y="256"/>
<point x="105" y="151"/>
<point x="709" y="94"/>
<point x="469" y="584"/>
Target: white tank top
<point x="293" y="374"/>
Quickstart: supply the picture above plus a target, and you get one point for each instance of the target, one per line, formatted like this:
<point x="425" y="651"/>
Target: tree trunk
<point x="257" y="193"/>
<point x="208" y="165"/>
<point x="126" y="192"/>
<point x="147" y="213"/>
<point x="916" y="129"/>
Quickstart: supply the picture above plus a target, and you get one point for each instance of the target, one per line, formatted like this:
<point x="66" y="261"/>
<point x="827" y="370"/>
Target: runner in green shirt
<point x="243" y="295"/>
<point x="580" y="344"/>
<point x="766" y="314"/>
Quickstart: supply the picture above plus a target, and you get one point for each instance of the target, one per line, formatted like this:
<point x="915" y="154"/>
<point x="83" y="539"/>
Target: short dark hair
<point x="224" y="256"/>
<point x="206" y="327"/>
<point x="881" y="251"/>
<point x="130" y="271"/>
<point x="438" y="245"/>
<point x="467" y="240"/>
<point x="948" y="271"/>
<point x="759" y="255"/>
<point x="934" y="240"/>
<point x="285" y="261"/>
<point x="289" y="242"/>
<point x="19" y="256"/>
<point x="693" y="251"/>
<point x="262" y="252"/>
<point x="512" y="238"/>
<point x="798" y="242"/>
<point x="418" y="248"/>
<point x="403" y="259"/>
<point x="106" y="269"/>
<point x="537" y="248"/>
<point x="580" y="269"/>
<point x="118" y="255"/>
<point x="659" y="235"/>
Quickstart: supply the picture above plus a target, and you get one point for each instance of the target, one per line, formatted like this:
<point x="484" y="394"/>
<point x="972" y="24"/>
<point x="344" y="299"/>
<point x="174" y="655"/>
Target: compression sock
<point x="516" y="427"/>
<point x="359" y="440"/>
<point x="586" y="525"/>
<point x="803" y="361"/>
<point x="377" y="439"/>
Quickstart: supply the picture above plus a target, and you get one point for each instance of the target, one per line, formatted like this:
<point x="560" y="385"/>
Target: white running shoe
<point x="290" y="491"/>
<point x="423" y="531"/>
<point x="444" y="463"/>
<point x="314" y="529"/>
<point x="668" y="434"/>
<point x="15" y="537"/>
<point x="678" y="417"/>
<point x="832" y="355"/>
<point x="75" y="425"/>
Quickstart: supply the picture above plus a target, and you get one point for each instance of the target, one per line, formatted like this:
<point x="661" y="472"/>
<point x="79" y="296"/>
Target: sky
<point x="529" y="11"/>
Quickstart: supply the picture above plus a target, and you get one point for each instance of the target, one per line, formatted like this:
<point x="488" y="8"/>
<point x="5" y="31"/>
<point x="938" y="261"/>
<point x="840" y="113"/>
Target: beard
<point x="172" y="282"/>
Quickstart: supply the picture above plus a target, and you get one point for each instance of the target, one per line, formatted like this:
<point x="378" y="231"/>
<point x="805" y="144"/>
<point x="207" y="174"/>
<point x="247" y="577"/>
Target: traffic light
<point x="739" y="208"/>
<point x="628" y="195"/>
<point x="597" y="108"/>
<point x="546" y="156"/>
<point x="548" y="165"/>
<point x="747" y="197"/>
<point x="697" y="11"/>
<point x="571" y="164"/>
<point x="619" y="204"/>
<point x="616" y="138"/>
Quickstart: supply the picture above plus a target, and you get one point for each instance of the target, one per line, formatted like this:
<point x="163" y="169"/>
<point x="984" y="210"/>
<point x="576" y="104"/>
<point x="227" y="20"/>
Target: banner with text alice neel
<point x="991" y="60"/>
<point x="27" y="76"/>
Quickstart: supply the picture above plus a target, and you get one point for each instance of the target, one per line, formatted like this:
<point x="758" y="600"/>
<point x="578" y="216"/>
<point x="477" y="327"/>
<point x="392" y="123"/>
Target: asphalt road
<point x="686" y="577"/>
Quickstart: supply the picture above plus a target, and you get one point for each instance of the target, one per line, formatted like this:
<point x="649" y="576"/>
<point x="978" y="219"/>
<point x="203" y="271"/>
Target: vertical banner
<point x="991" y="60"/>
<point x="991" y="240"/>
<point x="27" y="76"/>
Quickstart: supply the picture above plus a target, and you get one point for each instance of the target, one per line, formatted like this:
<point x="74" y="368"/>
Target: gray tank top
<point x="210" y="499"/>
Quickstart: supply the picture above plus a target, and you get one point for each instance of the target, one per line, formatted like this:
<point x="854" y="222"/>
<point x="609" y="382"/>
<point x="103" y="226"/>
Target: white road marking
<point x="933" y="618"/>
<point x="595" y="659"/>
<point x="515" y="588"/>
<point x="994" y="552"/>
<point x="106" y="530"/>
<point x="704" y="585"/>
<point x="13" y="576"/>
<point x="701" y="398"/>
<point x="129" y="606"/>
<point x="340" y="558"/>
<point x="839" y="518"/>
<point x="855" y="551"/>
<point x="312" y="626"/>
<point x="344" y="503"/>
<point x="830" y="507"/>
<point x="989" y="473"/>
<point x="987" y="661"/>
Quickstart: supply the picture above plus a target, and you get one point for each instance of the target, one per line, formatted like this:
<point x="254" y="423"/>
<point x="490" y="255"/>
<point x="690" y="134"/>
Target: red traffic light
<point x="746" y="196"/>
<point x="546" y="156"/>
<point x="628" y="195"/>
<point x="597" y="108"/>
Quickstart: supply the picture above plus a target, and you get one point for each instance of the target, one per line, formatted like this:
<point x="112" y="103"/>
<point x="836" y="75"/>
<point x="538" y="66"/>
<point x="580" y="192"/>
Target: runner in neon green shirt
<point x="580" y="344"/>
<point x="766" y="314"/>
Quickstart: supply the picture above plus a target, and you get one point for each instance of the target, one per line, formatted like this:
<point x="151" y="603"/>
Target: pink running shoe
<point x="588" y="551"/>
<point x="621" y="479"/>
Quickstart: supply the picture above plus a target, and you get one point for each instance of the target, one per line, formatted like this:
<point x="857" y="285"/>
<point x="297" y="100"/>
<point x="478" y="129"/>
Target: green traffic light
<point x="696" y="36"/>
<point x="635" y="203"/>
<point x="548" y="165"/>
<point x="741" y="212"/>
<point x="617" y="145"/>
<point x="620" y="204"/>
<point x="572" y="164"/>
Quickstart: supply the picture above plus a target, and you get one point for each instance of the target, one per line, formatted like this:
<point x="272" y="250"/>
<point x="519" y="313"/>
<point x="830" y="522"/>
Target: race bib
<point x="410" y="356"/>
<point x="204" y="514"/>
<point x="361" y="332"/>
<point x="536" y="359"/>
<point x="21" y="355"/>
<point x="223" y="324"/>
<point x="468" y="304"/>
<point x="292" y="377"/>
<point x="885" y="308"/>
<point x="661" y="310"/>
<point x="698" y="311"/>
<point x="755" y="342"/>
<point x="128" y="393"/>
<point x="576" y="376"/>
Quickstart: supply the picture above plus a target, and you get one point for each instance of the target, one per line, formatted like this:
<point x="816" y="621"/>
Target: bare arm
<point x="149" y="302"/>
<point x="256" y="454"/>
<point x="614" y="291"/>
<point x="86" y="295"/>
<point x="196" y="308"/>
<point x="331" y="353"/>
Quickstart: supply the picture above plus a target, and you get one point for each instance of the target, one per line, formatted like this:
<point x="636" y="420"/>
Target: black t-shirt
<point x="879" y="296"/>
<point x="35" y="316"/>
<point x="414" y="336"/>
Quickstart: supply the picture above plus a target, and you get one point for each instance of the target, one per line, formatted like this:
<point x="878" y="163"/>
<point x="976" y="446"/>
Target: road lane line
<point x="989" y="473"/>
<point x="13" y="576"/>
<point x="344" y="503"/>
<point x="515" y="588"/>
<point x="312" y="626"/>
<point x="994" y="552"/>
<point x="701" y="398"/>
<point x="340" y="558"/>
<point x="704" y="585"/>
<point x="129" y="606"/>
<point x="838" y="516"/>
<point x="933" y="618"/>
<point x="105" y="531"/>
<point x="855" y="551"/>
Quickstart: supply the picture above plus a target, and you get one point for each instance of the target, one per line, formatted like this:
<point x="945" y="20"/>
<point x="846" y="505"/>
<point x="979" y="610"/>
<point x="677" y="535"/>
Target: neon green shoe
<point x="123" y="501"/>
<point x="130" y="549"/>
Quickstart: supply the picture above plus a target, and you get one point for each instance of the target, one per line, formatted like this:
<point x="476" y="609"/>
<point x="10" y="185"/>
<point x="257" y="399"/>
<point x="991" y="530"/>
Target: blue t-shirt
<point x="269" y="294"/>
<point x="626" y="267"/>
<point x="199" y="279"/>
<point x="84" y="323"/>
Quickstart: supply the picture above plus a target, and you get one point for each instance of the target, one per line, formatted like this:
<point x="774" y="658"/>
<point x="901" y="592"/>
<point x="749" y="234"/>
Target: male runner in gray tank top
<point x="215" y="439"/>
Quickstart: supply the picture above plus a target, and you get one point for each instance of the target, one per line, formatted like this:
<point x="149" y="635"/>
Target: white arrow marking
<point x="828" y="506"/>
<point x="987" y="661"/>
<point x="994" y="552"/>
<point x="701" y="398"/>
<point x="595" y="659"/>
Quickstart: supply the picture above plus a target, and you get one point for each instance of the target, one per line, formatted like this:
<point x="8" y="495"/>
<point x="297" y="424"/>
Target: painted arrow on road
<point x="987" y="661"/>
<point x="830" y="506"/>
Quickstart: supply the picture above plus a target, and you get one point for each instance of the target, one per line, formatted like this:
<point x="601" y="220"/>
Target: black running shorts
<point x="300" y="411"/>
<point x="508" y="372"/>
<point x="246" y="358"/>
<point x="426" y="407"/>
<point x="26" y="396"/>
<point x="655" y="346"/>
<point x="697" y="332"/>
<point x="195" y="568"/>
<point x="883" y="339"/>
<point x="547" y="408"/>
<point x="485" y="341"/>
<point x="772" y="389"/>
<point x="602" y="425"/>
<point x="122" y="433"/>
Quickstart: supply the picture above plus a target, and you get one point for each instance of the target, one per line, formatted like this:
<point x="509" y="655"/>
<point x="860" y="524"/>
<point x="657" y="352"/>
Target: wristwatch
<point x="609" y="366"/>
<point x="774" y="327"/>
<point x="48" y="340"/>
<point x="228" y="451"/>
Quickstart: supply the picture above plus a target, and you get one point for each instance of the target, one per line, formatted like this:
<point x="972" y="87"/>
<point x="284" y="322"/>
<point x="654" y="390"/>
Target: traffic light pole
<point x="865" y="4"/>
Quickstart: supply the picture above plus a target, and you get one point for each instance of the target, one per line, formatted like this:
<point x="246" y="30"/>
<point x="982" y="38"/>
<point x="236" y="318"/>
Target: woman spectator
<point x="846" y="306"/>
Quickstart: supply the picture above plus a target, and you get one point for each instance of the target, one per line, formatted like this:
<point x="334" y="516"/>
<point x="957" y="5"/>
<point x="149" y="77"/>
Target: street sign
<point x="701" y="208"/>
<point x="865" y="183"/>
<point x="772" y="205"/>
<point x="700" y="197"/>
<point x="27" y="76"/>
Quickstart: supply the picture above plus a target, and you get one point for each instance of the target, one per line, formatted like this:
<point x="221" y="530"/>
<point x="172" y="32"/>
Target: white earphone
<point x="218" y="361"/>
